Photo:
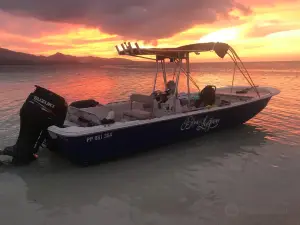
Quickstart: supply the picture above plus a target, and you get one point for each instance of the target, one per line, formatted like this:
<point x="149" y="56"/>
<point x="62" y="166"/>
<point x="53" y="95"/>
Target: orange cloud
<point x="264" y="34"/>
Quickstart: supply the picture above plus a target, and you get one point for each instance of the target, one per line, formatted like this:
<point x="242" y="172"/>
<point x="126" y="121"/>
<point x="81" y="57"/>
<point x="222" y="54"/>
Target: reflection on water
<point x="182" y="159"/>
<point x="236" y="176"/>
<point x="202" y="181"/>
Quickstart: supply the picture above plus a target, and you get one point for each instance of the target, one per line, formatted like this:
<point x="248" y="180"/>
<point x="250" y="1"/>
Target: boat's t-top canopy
<point x="220" y="49"/>
<point x="178" y="54"/>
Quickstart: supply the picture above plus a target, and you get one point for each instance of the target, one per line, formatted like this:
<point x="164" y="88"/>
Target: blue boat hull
<point x="98" y="147"/>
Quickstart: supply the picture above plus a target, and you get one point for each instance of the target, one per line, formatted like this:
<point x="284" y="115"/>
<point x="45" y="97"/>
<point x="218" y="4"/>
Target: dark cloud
<point x="29" y="27"/>
<point x="141" y="19"/>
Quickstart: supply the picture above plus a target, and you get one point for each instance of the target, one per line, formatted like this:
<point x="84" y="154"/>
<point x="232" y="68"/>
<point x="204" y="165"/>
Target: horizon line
<point x="203" y="61"/>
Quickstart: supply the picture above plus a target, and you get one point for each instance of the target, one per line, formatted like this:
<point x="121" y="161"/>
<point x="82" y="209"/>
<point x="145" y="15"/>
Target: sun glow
<point x="223" y="35"/>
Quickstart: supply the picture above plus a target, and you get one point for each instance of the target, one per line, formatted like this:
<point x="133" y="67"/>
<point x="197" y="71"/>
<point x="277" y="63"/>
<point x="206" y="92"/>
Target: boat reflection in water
<point x="51" y="174"/>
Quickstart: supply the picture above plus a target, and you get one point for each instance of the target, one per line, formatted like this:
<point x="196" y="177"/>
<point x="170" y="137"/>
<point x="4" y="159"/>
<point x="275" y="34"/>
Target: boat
<point x="87" y="132"/>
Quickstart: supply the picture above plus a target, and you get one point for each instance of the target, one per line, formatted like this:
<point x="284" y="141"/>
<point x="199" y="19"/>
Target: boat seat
<point x="145" y="99"/>
<point x="138" y="114"/>
<point x="92" y="114"/>
<point x="141" y="114"/>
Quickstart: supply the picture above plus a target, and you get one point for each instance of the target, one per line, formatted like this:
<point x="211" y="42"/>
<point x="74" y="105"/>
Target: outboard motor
<point x="41" y="109"/>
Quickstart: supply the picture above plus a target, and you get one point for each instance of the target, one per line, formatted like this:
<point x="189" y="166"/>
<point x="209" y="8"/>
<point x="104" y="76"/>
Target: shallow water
<point x="246" y="175"/>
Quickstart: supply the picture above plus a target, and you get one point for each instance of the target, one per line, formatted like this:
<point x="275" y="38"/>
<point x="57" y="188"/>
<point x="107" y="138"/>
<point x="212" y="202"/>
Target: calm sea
<point x="246" y="175"/>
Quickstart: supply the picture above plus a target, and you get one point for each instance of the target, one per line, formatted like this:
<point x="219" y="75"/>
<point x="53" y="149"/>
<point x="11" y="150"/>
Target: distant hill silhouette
<point x="8" y="57"/>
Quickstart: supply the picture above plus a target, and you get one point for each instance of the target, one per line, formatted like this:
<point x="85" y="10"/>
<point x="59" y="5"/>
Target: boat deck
<point x="96" y="113"/>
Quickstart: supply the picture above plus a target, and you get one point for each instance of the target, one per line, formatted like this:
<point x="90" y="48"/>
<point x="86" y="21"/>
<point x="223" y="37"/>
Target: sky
<point x="259" y="30"/>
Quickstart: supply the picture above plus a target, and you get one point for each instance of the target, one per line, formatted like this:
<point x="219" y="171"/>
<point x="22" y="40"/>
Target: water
<point x="246" y="175"/>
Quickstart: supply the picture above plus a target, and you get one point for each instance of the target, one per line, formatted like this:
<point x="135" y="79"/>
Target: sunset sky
<point x="256" y="29"/>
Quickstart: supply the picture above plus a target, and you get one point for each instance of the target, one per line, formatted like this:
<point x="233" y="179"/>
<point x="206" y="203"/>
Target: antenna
<point x="130" y="48"/>
<point x="124" y="49"/>
<point x="138" y="48"/>
<point x="118" y="49"/>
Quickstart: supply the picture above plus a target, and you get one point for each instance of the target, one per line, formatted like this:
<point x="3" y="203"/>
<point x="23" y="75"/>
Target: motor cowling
<point x="42" y="108"/>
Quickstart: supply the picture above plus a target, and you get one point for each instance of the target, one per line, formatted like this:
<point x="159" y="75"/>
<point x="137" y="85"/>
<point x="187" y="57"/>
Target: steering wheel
<point x="156" y="93"/>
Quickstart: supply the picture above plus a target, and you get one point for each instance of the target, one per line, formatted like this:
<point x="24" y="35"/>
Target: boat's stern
<point x="56" y="142"/>
<point x="80" y="145"/>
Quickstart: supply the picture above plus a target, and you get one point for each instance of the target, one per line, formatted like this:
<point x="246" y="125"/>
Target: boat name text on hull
<point x="204" y="124"/>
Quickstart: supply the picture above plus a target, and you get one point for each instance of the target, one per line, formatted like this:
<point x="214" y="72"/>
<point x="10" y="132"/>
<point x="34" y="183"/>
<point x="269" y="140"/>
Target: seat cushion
<point x="138" y="114"/>
<point x="147" y="100"/>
